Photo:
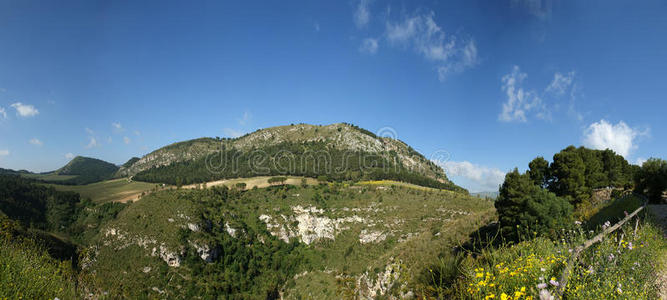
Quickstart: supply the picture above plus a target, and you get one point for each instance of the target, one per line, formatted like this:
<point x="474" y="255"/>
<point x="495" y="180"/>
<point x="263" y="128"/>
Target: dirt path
<point x="660" y="213"/>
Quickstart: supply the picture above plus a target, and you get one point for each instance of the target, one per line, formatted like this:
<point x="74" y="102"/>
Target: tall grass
<point x="28" y="272"/>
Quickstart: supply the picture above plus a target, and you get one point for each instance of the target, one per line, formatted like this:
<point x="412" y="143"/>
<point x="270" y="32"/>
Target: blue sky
<point x="492" y="83"/>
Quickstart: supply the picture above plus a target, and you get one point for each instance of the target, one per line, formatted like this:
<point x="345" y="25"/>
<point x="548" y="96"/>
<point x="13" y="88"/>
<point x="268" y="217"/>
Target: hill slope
<point x="339" y="151"/>
<point x="80" y="170"/>
<point x="301" y="242"/>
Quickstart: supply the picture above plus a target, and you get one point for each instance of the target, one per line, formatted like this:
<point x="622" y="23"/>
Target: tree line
<point x="541" y="201"/>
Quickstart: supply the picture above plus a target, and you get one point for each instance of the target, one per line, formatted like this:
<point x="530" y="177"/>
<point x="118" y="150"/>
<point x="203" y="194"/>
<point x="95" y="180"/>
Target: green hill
<point x="80" y="170"/>
<point x="336" y="152"/>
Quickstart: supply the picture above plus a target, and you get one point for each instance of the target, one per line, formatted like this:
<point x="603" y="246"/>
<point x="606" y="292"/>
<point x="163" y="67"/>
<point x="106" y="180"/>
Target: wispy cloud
<point x="126" y="140"/>
<point x="92" y="140"/>
<point x="519" y="101"/>
<point x="3" y="113"/>
<point x="25" y="110"/>
<point x="35" y="142"/>
<point x="369" y="45"/>
<point x="69" y="155"/>
<point x="561" y="83"/>
<point x="619" y="137"/>
<point x="245" y="119"/>
<point x="449" y="52"/>
<point x="538" y="8"/>
<point x="232" y="132"/>
<point x="316" y="26"/>
<point x="117" y="127"/>
<point x="4" y="152"/>
<point x="362" y="15"/>
<point x="481" y="178"/>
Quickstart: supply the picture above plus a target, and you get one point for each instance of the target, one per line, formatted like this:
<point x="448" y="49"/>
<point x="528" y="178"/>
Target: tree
<point x="524" y="208"/>
<point x="279" y="180"/>
<point x="241" y="185"/>
<point x="568" y="169"/>
<point x="652" y="179"/>
<point x="539" y="171"/>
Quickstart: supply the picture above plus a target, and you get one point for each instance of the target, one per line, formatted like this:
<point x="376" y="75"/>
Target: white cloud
<point x="538" y="8"/>
<point x="450" y="53"/>
<point x="92" y="143"/>
<point x="36" y="142"/>
<point x="561" y="83"/>
<point x="69" y="155"/>
<point x="640" y="161"/>
<point x="620" y="137"/>
<point x="25" y="110"/>
<point x="117" y="127"/>
<point x="232" y="132"/>
<point x="92" y="140"/>
<point x="126" y="140"/>
<point x="519" y="101"/>
<point x="369" y="45"/>
<point x="3" y="113"/>
<point x="480" y="178"/>
<point x="362" y="15"/>
<point x="4" y="152"/>
<point x="245" y="118"/>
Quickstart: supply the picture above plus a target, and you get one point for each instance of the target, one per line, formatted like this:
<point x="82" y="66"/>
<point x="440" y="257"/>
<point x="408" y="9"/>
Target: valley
<point x="365" y="218"/>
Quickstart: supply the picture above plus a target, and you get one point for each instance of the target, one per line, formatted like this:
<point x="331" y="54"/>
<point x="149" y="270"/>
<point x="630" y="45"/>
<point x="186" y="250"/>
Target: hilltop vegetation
<point x="79" y="171"/>
<point x="341" y="138"/>
<point x="310" y="159"/>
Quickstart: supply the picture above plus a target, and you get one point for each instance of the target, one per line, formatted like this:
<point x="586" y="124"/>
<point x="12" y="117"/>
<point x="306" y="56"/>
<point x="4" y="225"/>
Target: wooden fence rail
<point x="577" y="251"/>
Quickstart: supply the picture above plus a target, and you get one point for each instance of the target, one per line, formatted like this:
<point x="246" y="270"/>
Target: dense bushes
<point x="652" y="179"/>
<point x="36" y="205"/>
<point x="541" y="200"/>
<point x="526" y="209"/>
<point x="251" y="264"/>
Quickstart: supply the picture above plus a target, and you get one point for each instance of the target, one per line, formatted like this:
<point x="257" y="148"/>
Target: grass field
<point x="116" y="190"/>
<point x="49" y="176"/>
<point x="404" y="184"/>
<point x="259" y="182"/>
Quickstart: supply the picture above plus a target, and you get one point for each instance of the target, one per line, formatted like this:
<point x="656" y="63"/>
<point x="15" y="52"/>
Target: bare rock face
<point x="371" y="287"/>
<point x="230" y="230"/>
<point x="172" y="259"/>
<point x="368" y="236"/>
<point x="206" y="252"/>
<point x="119" y="240"/>
<point x="311" y="225"/>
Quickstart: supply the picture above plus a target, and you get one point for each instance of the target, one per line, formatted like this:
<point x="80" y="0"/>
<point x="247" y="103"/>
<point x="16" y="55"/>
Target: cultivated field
<point x="116" y="190"/>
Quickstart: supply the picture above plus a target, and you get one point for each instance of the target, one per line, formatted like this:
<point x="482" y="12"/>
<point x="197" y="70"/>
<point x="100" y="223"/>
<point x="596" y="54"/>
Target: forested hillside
<point x="261" y="148"/>
<point x="311" y="159"/>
